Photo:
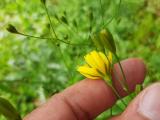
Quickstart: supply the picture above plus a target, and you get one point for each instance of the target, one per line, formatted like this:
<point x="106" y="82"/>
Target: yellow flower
<point x="98" y="65"/>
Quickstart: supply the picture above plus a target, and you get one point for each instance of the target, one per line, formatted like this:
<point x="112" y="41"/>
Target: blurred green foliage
<point x="31" y="70"/>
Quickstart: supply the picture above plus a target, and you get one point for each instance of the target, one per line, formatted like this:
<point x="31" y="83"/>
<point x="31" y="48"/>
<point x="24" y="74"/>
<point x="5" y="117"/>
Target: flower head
<point x="98" y="65"/>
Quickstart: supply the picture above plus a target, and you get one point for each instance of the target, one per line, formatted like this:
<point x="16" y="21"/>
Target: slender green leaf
<point x="8" y="110"/>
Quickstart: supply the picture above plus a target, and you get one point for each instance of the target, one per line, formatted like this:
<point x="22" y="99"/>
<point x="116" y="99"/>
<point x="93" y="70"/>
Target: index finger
<point x="88" y="98"/>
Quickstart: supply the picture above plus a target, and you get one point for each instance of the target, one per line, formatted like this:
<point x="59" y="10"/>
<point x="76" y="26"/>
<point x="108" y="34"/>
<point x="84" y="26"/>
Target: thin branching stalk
<point x="65" y="63"/>
<point x="37" y="37"/>
<point x="102" y="15"/>
<point x="90" y="28"/>
<point x="115" y="14"/>
<point x="69" y="28"/>
<point x="50" y="21"/>
<point x="47" y="38"/>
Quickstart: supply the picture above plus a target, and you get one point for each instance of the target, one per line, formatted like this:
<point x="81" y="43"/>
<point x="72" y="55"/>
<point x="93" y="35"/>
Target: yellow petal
<point x="110" y="57"/>
<point x="88" y="71"/>
<point x="110" y="61"/>
<point x="90" y="77"/>
<point x="89" y="60"/>
<point x="105" y="59"/>
<point x="99" y="61"/>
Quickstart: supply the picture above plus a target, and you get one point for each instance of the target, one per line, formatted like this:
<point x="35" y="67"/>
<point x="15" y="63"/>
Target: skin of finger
<point x="84" y="100"/>
<point x="134" y="117"/>
<point x="131" y="111"/>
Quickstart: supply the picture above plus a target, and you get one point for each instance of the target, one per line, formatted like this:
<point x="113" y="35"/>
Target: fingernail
<point x="149" y="105"/>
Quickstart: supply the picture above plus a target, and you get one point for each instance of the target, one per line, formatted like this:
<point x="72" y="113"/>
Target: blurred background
<point x="33" y="69"/>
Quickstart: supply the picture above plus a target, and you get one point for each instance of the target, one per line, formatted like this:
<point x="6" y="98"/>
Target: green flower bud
<point x="64" y="19"/>
<point x="75" y="23"/>
<point x="97" y="43"/>
<point x="91" y="17"/>
<point x="12" y="29"/>
<point x="107" y="40"/>
<point x="43" y="1"/>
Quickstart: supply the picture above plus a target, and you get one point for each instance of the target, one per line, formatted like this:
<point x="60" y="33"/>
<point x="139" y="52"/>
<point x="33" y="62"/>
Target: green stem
<point x="118" y="96"/>
<point x="37" y="37"/>
<point x="111" y="112"/>
<point x="121" y="82"/>
<point x="123" y="75"/>
<point x="110" y="65"/>
<point x="115" y="14"/>
<point x="66" y="65"/>
<point x="50" y="21"/>
<point x="90" y="28"/>
<point x="102" y="15"/>
<point x="114" y="90"/>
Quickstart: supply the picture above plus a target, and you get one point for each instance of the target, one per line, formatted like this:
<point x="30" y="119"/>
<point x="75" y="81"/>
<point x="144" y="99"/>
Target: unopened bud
<point x="97" y="42"/>
<point x="12" y="29"/>
<point x="107" y="40"/>
<point x="43" y="1"/>
<point x="64" y="20"/>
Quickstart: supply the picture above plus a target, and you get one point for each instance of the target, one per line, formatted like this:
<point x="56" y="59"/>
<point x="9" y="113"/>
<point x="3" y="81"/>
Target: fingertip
<point x="145" y="106"/>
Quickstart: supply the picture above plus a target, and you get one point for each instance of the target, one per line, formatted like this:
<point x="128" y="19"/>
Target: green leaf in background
<point x="107" y="40"/>
<point x="8" y="110"/>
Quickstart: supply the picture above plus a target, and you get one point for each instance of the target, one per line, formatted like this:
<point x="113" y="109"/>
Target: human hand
<point x="89" y="98"/>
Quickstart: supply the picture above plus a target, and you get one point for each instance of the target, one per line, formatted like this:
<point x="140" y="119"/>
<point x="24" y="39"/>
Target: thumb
<point x="146" y="106"/>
